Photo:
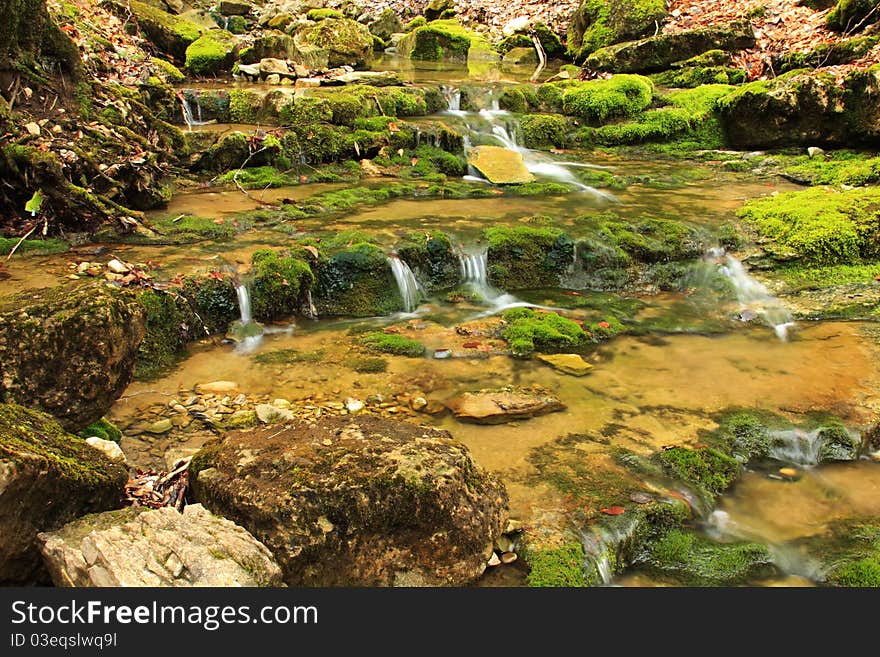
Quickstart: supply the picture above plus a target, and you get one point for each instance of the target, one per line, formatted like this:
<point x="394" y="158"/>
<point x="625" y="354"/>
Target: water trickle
<point x="609" y="543"/>
<point x="754" y="298"/>
<point x="453" y="98"/>
<point x="410" y="290"/>
<point x="796" y="446"/>
<point x="186" y="108"/>
<point x="244" y="303"/>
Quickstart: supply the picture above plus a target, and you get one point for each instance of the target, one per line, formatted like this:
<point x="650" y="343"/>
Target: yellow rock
<point x="499" y="165"/>
<point x="567" y="363"/>
<point x="788" y="473"/>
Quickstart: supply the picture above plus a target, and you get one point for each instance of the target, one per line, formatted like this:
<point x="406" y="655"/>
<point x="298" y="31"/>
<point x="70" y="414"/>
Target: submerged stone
<point x="503" y="405"/>
<point x="47" y="478"/>
<point x="356" y="502"/>
<point x="567" y="363"/>
<point x="139" y="547"/>
<point x="499" y="165"/>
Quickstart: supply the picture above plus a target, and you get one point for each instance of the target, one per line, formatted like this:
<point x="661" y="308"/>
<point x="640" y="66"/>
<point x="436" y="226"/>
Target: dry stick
<point x="542" y="57"/>
<point x="19" y="243"/>
<point x="243" y="165"/>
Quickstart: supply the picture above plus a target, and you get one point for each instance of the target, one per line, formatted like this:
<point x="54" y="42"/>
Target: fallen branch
<point x="542" y="57"/>
<point x="19" y="243"/>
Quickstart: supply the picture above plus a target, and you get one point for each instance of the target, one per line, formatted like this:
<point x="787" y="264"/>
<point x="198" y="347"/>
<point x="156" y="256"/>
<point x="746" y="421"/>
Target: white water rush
<point x="409" y="287"/>
<point x="244" y="303"/>
<point x="754" y="298"/>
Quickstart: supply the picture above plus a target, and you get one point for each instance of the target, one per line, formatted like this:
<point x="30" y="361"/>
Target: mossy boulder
<point x="347" y="42"/>
<point x="707" y="471"/>
<point x="599" y="23"/>
<point x="524" y="257"/>
<point x="212" y="53"/>
<point x="444" y="40"/>
<point x="386" y="24"/>
<point x="597" y="101"/>
<point x="852" y="15"/>
<point x="171" y="34"/>
<point x="280" y="284"/>
<point x="690" y="77"/>
<point x="544" y="131"/>
<point x="804" y="108"/>
<point x="357" y="282"/>
<point x="436" y="9"/>
<point x="527" y="331"/>
<point x="847" y="553"/>
<point x="657" y="53"/>
<point x="48" y="477"/>
<point x="431" y="257"/>
<point x="69" y="351"/>
<point x="692" y="560"/>
<point x="826" y="54"/>
<point x="356" y="502"/>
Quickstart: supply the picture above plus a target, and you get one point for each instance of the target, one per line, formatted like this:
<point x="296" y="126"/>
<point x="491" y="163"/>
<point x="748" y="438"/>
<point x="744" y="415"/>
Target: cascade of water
<point x="796" y="446"/>
<point x="244" y="303"/>
<point x="186" y="108"/>
<point x="609" y="543"/>
<point x="754" y="298"/>
<point x="410" y="290"/>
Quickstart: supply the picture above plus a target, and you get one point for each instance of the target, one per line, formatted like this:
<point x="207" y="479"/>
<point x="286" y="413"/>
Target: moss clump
<point x="33" y="246"/>
<point x="244" y="105"/>
<point x="837" y="443"/>
<point x="103" y="429"/>
<point x="523" y="257"/>
<point x="418" y="21"/>
<point x="819" y="226"/>
<point x="746" y="435"/>
<point x="260" y="177"/>
<point x="431" y="257"/>
<point x="599" y="23"/>
<point x="695" y="76"/>
<point x="848" y="552"/>
<point x="170" y="323"/>
<point x="346" y="42"/>
<point x="527" y="331"/>
<point x="286" y="356"/>
<point x="708" y="470"/>
<point x="171" y="34"/>
<point x="827" y="54"/>
<point x="189" y="229"/>
<point x="695" y="561"/>
<point x="391" y="343"/>
<point x="837" y="168"/>
<point x="562" y="566"/>
<point x="211" y="53"/>
<point x="322" y="14"/>
<point x="442" y="40"/>
<point x="356" y="281"/>
<point x="847" y="14"/>
<point x="168" y="71"/>
<point x="213" y="300"/>
<point x="366" y="364"/>
<point x="597" y="101"/>
<point x="280" y="283"/>
<point x="544" y="130"/>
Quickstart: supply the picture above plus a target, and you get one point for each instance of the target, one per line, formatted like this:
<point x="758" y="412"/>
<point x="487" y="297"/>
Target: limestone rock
<point x="250" y="70"/>
<point x="234" y="8"/>
<point x="47" y="478"/>
<point x="271" y="66"/>
<point x="372" y="78"/>
<point x="136" y="547"/>
<point x="267" y="414"/>
<point x="217" y="388"/>
<point x="356" y="501"/>
<point x="110" y="449"/>
<point x="347" y="42"/>
<point x="567" y="363"/>
<point x="503" y="405"/>
<point x="69" y="351"/>
<point x="499" y="165"/>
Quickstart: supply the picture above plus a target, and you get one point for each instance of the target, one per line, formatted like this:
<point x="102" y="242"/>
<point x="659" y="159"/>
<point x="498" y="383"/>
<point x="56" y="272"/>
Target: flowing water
<point x="410" y="289"/>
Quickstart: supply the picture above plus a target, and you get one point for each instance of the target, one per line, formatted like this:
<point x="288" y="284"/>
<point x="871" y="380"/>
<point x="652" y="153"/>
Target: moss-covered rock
<point x="170" y="324"/>
<point x="692" y="560"/>
<point x="657" y="53"/>
<point x="213" y="300"/>
<point x="847" y="553"/>
<point x="169" y="33"/>
<point x="47" y="478"/>
<point x="280" y="284"/>
<point x="101" y="428"/>
<point x="559" y="566"/>
<point x="443" y="40"/>
<point x="694" y="76"/>
<point x="356" y="282"/>
<point x="524" y="257"/>
<point x="346" y="42"/>
<point x="709" y="471"/>
<point x="527" y="331"/>
<point x="387" y="23"/>
<point x="852" y="15"/>
<point x="358" y="501"/>
<point x="69" y="351"/>
<point x="826" y="54"/>
<point x="392" y="343"/>
<point x="431" y="257"/>
<point x="597" y="101"/>
<point x="599" y="23"/>
<point x="544" y="131"/>
<point x="212" y="53"/>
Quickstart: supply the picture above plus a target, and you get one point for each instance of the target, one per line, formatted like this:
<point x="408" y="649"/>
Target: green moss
<point x="169" y="72"/>
<point x="707" y="469"/>
<point x="847" y="14"/>
<point x="286" y="356"/>
<point x="598" y="101"/>
<point x="562" y="566"/>
<point x="849" y="552"/>
<point x="103" y="429"/>
<point x="33" y="246"/>
<point x="431" y="257"/>
<point x="799" y="278"/>
<point x="194" y="229"/>
<point x="828" y="54"/>
<point x="544" y="130"/>
<point x="523" y="257"/>
<point x="168" y="327"/>
<point x="820" y="226"/>
<point x="280" y="283"/>
<point x="695" y="76"/>
<point x="356" y="281"/>
<point x="442" y="40"/>
<point x="527" y="331"/>
<point x="244" y="105"/>
<point x="836" y="168"/>
<point x="837" y="443"/>
<point x="599" y="23"/>
<point x="366" y="364"/>
<point x="745" y="435"/>
<point x="213" y="300"/>
<point x="418" y="21"/>
<point x="695" y="561"/>
<point x="260" y="177"/>
<point x="321" y="14"/>
<point x="391" y="343"/>
<point x="211" y="53"/>
<point x="172" y="34"/>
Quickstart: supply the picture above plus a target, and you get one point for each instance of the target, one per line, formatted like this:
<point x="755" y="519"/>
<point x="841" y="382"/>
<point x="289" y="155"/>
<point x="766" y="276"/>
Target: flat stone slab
<point x="500" y="166"/>
<point x="566" y="363"/>
<point x="504" y="405"/>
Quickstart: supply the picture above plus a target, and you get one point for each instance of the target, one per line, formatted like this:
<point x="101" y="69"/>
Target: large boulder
<point x="356" y="501"/>
<point x="503" y="405"/>
<point x="658" y="53"/>
<point x="500" y="166"/>
<point x="169" y="33"/>
<point x="347" y="42"/>
<point x="212" y="53"/>
<point x="69" y="351"/>
<point x="804" y="109"/>
<point x="278" y="45"/>
<point x="852" y="15"/>
<point x="139" y="547"/>
<point x="47" y="478"/>
<point x="386" y="24"/>
<point x="599" y="23"/>
<point x="445" y="40"/>
<point x="356" y="282"/>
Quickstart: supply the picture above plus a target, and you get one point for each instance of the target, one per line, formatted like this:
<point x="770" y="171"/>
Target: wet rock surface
<point x="503" y="405"/>
<point x="356" y="501"/>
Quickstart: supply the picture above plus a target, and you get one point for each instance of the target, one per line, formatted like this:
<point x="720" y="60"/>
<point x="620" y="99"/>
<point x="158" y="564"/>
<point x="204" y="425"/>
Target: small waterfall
<point x="186" y="108"/>
<point x="754" y="298"/>
<point x="244" y="303"/>
<point x="410" y="290"/>
<point x="475" y="273"/>
<point x="609" y="543"/>
<point x="453" y="98"/>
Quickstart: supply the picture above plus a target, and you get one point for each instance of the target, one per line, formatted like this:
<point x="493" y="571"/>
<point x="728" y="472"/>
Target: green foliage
<point x="287" y="356"/>
<point x="210" y="53"/>
<point x="103" y="429"/>
<point x="562" y="566"/>
<point x="527" y="331"/>
<point x="321" y="14"/>
<point x="391" y="343"/>
<point x="706" y="469"/>
<point x="598" y="101"/>
<point x="836" y="168"/>
<point x="821" y="226"/>
<point x="280" y="283"/>
<point x="195" y="229"/>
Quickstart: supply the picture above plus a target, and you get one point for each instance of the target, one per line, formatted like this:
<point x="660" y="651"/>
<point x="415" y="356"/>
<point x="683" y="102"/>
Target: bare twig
<point x="19" y="243"/>
<point x="542" y="57"/>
